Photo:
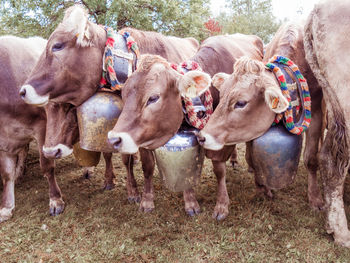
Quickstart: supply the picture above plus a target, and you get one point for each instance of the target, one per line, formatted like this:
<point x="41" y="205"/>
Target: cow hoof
<point x="220" y="212"/>
<point x="193" y="211"/>
<point x="134" y="199"/>
<point x="5" y="214"/>
<point x="147" y="204"/>
<point x="316" y="202"/>
<point x="109" y="186"/>
<point x="263" y="190"/>
<point x="343" y="239"/>
<point x="269" y="194"/>
<point x="147" y="210"/>
<point x="317" y="205"/>
<point x="56" y="206"/>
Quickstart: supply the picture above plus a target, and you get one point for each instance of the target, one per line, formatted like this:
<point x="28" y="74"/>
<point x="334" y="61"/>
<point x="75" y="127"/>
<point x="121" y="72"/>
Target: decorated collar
<point x="193" y="107"/>
<point x="119" y="60"/>
<point x="275" y="64"/>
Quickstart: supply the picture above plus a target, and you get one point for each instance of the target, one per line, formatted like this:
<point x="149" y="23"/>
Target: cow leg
<point x="109" y="175"/>
<point x="333" y="182"/>
<point x="21" y="162"/>
<point x="222" y="199"/>
<point x="148" y="163"/>
<point x="313" y="137"/>
<point x="56" y="204"/>
<point x="234" y="157"/>
<point x="191" y="205"/>
<point x="248" y="157"/>
<point x="11" y="167"/>
<point x="131" y="185"/>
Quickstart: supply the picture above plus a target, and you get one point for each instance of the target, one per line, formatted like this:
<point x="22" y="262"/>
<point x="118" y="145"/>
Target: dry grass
<point x="101" y="226"/>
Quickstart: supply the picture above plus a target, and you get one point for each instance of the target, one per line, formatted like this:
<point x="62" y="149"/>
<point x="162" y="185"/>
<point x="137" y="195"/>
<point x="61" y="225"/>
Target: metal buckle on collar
<point x="120" y="53"/>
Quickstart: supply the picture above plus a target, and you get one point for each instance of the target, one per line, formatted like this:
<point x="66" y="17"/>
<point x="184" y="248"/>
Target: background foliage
<point x="40" y="17"/>
<point x="250" y="17"/>
<point x="182" y="18"/>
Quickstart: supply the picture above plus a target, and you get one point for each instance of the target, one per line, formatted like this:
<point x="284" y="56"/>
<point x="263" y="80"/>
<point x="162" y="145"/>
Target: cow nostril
<point x="201" y="139"/>
<point x="58" y="153"/>
<point x="116" y="142"/>
<point x="22" y="93"/>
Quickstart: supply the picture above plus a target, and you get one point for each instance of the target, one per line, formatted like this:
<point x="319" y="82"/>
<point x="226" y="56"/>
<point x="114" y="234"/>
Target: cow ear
<point x="219" y="79"/>
<point x="76" y="21"/>
<point x="194" y="83"/>
<point x="275" y="100"/>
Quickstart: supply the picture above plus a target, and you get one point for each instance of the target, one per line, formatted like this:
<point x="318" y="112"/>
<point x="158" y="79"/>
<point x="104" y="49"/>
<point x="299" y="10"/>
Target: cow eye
<point x="58" y="47"/>
<point x="240" y="104"/>
<point x="152" y="99"/>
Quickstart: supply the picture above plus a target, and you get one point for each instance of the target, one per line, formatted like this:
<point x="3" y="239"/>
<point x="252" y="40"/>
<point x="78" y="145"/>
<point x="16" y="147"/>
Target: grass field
<point x="101" y="226"/>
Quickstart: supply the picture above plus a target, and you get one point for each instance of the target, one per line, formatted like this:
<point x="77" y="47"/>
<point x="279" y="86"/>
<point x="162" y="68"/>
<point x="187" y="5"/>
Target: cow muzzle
<point x="122" y="142"/>
<point x="57" y="151"/>
<point x="200" y="138"/>
<point x="208" y="141"/>
<point x="30" y="96"/>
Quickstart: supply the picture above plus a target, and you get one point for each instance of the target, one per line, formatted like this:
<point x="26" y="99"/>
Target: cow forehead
<point x="157" y="68"/>
<point x="242" y="83"/>
<point x="141" y="82"/>
<point x="246" y="81"/>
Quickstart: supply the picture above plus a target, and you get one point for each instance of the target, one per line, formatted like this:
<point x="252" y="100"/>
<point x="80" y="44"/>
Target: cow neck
<point x="196" y="113"/>
<point x="293" y="84"/>
<point x="119" y="60"/>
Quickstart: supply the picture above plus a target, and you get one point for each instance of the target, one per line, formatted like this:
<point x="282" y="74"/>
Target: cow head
<point x="61" y="130"/>
<point x="249" y="101"/>
<point x="70" y="67"/>
<point x="152" y="111"/>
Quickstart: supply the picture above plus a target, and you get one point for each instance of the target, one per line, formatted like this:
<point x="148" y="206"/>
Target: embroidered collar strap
<point x="304" y="122"/>
<point x="114" y="55"/>
<point x="192" y="115"/>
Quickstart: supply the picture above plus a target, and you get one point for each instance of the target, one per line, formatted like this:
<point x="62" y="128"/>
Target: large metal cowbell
<point x="96" y="117"/>
<point x="180" y="160"/>
<point x="275" y="155"/>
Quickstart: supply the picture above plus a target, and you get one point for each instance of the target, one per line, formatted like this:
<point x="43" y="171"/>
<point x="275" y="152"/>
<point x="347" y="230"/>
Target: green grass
<point x="101" y="226"/>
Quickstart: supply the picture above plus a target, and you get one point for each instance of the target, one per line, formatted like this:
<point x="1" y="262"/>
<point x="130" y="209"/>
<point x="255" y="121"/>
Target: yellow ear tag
<point x="191" y="91"/>
<point x="274" y="103"/>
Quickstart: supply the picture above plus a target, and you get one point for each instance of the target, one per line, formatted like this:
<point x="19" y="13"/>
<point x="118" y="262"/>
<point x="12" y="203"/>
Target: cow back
<point x="174" y="49"/>
<point x="219" y="53"/>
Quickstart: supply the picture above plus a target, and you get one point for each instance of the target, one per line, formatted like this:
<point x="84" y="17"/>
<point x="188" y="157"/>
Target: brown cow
<point x="249" y="90"/>
<point x="69" y="71"/>
<point x="152" y="110"/>
<point x="327" y="46"/>
<point x="20" y="122"/>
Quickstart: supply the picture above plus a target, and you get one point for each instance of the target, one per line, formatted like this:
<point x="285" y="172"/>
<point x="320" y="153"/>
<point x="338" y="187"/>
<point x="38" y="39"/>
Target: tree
<point x="250" y="17"/>
<point x="40" y="17"/>
<point x="213" y="27"/>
